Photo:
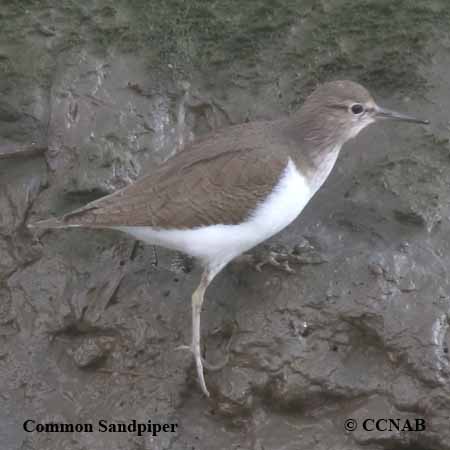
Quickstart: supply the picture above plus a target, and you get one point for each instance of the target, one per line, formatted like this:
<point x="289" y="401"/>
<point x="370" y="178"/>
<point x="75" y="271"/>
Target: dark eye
<point x="357" y="108"/>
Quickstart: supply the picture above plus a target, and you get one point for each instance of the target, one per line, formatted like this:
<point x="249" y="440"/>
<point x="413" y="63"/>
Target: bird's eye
<point x="357" y="108"/>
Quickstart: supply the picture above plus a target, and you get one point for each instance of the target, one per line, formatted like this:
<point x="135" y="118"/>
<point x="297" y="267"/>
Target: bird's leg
<point x="197" y="302"/>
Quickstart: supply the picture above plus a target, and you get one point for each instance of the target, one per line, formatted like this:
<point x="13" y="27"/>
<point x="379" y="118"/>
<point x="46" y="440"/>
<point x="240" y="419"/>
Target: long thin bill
<point x="383" y="113"/>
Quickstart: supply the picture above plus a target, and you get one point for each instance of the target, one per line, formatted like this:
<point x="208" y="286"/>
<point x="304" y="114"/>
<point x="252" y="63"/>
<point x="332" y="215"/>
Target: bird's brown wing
<point x="219" y="180"/>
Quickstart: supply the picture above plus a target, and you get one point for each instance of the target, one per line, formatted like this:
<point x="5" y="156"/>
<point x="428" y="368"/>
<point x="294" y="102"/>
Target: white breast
<point x="218" y="244"/>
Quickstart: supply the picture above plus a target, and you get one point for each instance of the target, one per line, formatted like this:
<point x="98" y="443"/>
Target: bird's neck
<point x="313" y="152"/>
<point x="324" y="162"/>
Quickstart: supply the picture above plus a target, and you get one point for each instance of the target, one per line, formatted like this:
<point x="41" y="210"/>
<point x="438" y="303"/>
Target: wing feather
<point x="218" y="180"/>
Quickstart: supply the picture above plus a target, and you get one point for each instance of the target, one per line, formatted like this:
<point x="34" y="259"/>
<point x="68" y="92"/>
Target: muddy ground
<point x="93" y="94"/>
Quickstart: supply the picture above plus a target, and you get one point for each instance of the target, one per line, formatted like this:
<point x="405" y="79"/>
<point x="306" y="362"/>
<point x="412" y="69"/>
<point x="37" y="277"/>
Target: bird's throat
<point x="323" y="162"/>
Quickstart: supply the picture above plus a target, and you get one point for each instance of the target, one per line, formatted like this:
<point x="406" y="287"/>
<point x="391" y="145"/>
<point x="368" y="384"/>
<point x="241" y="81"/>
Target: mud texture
<point x="92" y="94"/>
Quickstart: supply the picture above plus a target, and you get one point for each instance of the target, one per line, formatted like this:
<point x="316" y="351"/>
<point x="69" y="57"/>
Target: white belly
<point x="219" y="244"/>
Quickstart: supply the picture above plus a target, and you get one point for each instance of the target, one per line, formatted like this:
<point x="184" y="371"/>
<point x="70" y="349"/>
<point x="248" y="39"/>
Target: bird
<point x="234" y="188"/>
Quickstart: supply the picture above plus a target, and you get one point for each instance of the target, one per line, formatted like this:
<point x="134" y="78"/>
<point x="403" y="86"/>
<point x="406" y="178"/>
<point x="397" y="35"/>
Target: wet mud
<point x="93" y="94"/>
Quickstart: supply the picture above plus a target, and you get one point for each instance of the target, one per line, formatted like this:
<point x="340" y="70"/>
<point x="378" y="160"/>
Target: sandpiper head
<point x="342" y="109"/>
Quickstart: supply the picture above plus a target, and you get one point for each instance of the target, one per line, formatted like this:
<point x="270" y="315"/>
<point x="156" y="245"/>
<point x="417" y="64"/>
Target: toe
<point x="287" y="268"/>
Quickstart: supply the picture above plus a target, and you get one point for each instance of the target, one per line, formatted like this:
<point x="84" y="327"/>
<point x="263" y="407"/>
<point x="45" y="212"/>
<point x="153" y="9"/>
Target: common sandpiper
<point x="236" y="187"/>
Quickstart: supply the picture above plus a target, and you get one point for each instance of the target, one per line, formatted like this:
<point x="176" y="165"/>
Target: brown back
<point x="217" y="180"/>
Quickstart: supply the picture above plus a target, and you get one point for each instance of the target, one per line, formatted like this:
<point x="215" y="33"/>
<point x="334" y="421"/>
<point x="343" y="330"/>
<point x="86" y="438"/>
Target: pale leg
<point x="197" y="302"/>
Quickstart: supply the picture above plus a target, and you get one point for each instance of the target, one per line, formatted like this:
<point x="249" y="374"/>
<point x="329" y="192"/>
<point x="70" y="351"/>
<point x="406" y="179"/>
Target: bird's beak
<point x="382" y="113"/>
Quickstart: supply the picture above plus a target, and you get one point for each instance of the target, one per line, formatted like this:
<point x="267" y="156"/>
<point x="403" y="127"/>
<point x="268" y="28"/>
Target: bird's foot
<point x="281" y="256"/>
<point x="274" y="259"/>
